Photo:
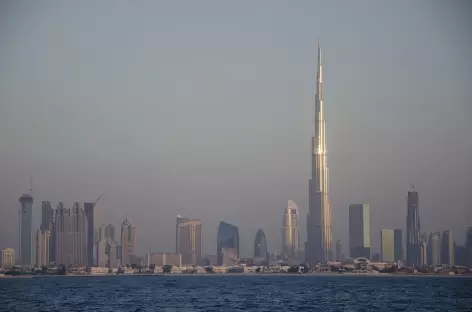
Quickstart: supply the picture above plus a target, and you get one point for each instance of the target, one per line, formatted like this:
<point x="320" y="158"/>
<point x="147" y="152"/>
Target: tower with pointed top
<point x="319" y="235"/>
<point x="128" y="242"/>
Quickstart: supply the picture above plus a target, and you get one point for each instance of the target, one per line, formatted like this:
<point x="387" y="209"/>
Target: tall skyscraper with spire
<point x="318" y="247"/>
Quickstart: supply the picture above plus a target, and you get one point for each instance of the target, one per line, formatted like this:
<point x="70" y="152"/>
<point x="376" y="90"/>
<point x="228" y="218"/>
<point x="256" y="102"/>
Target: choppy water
<point x="236" y="293"/>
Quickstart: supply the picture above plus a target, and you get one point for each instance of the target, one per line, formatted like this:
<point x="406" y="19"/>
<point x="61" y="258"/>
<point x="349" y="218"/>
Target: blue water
<point x="236" y="293"/>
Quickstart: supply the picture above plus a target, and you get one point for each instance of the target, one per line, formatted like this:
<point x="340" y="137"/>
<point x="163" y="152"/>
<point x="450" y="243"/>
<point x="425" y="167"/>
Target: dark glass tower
<point x="26" y="220"/>
<point x="227" y="242"/>
<point x="260" y="248"/>
<point x="88" y="209"/>
<point x="413" y="254"/>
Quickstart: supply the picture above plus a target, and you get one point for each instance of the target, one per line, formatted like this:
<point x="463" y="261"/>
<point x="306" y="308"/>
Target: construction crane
<point x="98" y="199"/>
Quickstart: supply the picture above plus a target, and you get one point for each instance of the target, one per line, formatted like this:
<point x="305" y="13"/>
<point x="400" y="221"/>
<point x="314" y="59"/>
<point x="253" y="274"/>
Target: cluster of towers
<point x="72" y="237"/>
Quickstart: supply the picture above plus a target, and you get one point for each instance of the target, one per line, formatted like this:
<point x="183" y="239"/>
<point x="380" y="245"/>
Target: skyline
<point x="217" y="170"/>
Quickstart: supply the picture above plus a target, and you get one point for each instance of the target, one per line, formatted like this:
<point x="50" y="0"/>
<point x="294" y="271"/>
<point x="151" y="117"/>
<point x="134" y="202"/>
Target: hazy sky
<point x="204" y="108"/>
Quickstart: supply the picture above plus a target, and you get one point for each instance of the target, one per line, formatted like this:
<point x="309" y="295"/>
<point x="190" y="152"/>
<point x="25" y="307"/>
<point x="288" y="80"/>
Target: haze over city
<point x="205" y="109"/>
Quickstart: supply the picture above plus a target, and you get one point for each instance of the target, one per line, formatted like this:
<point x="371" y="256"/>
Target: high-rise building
<point x="110" y="231"/>
<point x="261" y="256"/>
<point x="359" y="230"/>
<point x="460" y="255"/>
<point x="8" y="258"/>
<point x="25" y="235"/>
<point x="434" y="249"/>
<point x="62" y="230"/>
<point x="291" y="233"/>
<point x="468" y="246"/>
<point x="43" y="248"/>
<point x="319" y="242"/>
<point x="88" y="209"/>
<point x="391" y="245"/>
<point x="413" y="229"/>
<point x="128" y="242"/>
<point x="107" y="250"/>
<point x="47" y="225"/>
<point x="189" y="240"/>
<point x="339" y="251"/>
<point x="227" y="244"/>
<point x="447" y="248"/>
<point x="423" y="249"/>
<point x="78" y="238"/>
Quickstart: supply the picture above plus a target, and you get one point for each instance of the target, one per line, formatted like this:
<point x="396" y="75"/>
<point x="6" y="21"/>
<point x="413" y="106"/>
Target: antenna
<point x="31" y="185"/>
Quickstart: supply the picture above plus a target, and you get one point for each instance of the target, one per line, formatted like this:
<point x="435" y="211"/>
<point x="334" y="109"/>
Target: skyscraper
<point x="468" y="246"/>
<point x="447" y="248"/>
<point x="359" y="230"/>
<point x="434" y="249"/>
<point x="319" y="243"/>
<point x="88" y="209"/>
<point x="110" y="231"/>
<point x="339" y="251"/>
<point x="62" y="228"/>
<point x="128" y="242"/>
<point x="189" y="240"/>
<point x="413" y="255"/>
<point x="290" y="233"/>
<point x="78" y="241"/>
<point x="227" y="244"/>
<point x="424" y="249"/>
<point x="391" y="245"/>
<point x="260" y="248"/>
<point x="25" y="235"/>
<point x="43" y="248"/>
<point x="47" y="225"/>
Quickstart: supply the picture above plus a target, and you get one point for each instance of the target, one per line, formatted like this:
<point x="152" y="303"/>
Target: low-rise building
<point x="8" y="258"/>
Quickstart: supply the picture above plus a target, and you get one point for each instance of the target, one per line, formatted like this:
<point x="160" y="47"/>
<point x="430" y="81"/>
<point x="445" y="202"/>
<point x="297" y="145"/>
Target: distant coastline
<point x="248" y="274"/>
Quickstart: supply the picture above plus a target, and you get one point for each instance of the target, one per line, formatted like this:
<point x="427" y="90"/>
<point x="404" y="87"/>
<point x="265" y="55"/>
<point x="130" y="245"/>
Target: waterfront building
<point x="166" y="258"/>
<point x="319" y="233"/>
<point x="261" y="256"/>
<point x="77" y="236"/>
<point x="413" y="229"/>
<point x="47" y="225"/>
<point x="25" y="228"/>
<point x="8" y="258"/>
<point x="434" y="249"/>
<point x="290" y="233"/>
<point x="62" y="230"/>
<point x="468" y="246"/>
<point x="43" y="248"/>
<point x="110" y="231"/>
<point x="359" y="231"/>
<point x="89" y="216"/>
<point x="107" y="253"/>
<point x="128" y="241"/>
<point x="189" y="240"/>
<point x="227" y="243"/>
<point x="460" y="255"/>
<point x="339" y="252"/>
<point x="423" y="249"/>
<point x="447" y="248"/>
<point x="391" y="245"/>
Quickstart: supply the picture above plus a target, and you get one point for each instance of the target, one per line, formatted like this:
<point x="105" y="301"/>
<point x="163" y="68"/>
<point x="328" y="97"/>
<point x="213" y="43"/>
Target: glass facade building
<point x="260" y="248"/>
<point x="413" y="247"/>
<point x="227" y="242"/>
<point x="391" y="245"/>
<point x="25" y="234"/>
<point x="359" y="231"/>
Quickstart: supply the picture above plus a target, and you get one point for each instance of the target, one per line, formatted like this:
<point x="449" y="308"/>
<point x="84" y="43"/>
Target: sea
<point x="236" y="293"/>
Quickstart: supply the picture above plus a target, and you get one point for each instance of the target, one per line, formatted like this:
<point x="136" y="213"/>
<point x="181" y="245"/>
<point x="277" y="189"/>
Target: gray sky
<point x="204" y="108"/>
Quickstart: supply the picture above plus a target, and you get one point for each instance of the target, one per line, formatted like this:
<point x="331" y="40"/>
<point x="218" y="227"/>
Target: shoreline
<point x="323" y="274"/>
